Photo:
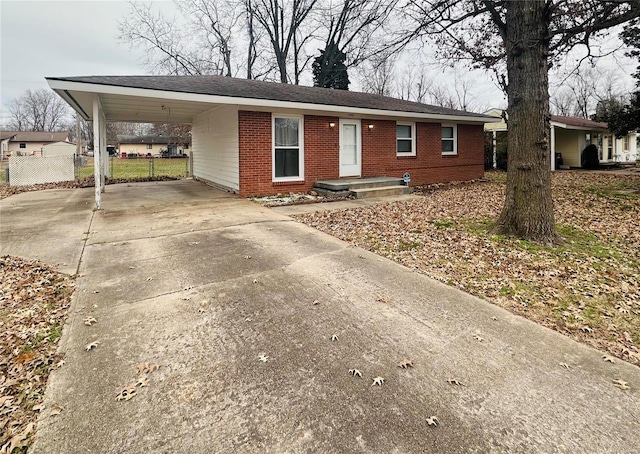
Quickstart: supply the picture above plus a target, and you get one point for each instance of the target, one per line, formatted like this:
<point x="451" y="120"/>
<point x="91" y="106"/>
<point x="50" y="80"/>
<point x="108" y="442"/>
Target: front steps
<point x="362" y="188"/>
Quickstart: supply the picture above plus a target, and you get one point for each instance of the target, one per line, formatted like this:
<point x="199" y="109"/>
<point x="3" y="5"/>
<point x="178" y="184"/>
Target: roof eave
<point x="579" y="128"/>
<point x="62" y="87"/>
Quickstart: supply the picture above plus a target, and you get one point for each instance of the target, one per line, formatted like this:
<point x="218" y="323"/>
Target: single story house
<point x="259" y="138"/>
<point x="28" y="143"/>
<point x="153" y="145"/>
<point x="62" y="148"/>
<point x="570" y="135"/>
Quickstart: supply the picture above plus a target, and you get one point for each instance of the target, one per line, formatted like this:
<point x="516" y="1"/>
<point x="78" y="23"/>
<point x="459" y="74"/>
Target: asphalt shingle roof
<point x="35" y="136"/>
<point x="254" y="89"/>
<point x="577" y="121"/>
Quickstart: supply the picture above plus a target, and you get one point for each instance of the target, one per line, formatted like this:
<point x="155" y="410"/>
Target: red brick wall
<point x="321" y="144"/>
<point x="321" y="153"/>
<point x="429" y="165"/>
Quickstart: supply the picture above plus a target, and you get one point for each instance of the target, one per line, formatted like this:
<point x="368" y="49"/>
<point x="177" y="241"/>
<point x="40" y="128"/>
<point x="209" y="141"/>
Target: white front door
<point x="350" y="148"/>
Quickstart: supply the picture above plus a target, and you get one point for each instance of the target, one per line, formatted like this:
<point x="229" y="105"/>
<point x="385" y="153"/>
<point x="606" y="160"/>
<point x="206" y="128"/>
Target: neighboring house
<point x="59" y="149"/>
<point x="570" y="135"/>
<point x="28" y="143"/>
<point x="153" y="145"/>
<point x="259" y="138"/>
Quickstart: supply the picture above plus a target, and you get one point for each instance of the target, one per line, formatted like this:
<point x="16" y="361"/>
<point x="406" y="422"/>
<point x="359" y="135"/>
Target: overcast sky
<point x="79" y="38"/>
<point x="61" y="38"/>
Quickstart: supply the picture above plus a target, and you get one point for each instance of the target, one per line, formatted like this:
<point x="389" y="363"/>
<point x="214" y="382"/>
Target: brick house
<point x="260" y="138"/>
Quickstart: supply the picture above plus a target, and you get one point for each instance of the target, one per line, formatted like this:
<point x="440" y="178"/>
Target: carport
<point x="102" y="103"/>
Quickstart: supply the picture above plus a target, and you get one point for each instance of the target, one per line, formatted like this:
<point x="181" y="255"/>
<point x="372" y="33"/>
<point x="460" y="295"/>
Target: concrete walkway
<point x="205" y="285"/>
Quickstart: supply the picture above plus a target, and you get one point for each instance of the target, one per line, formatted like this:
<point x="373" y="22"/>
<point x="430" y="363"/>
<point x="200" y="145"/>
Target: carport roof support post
<point x="97" y="139"/>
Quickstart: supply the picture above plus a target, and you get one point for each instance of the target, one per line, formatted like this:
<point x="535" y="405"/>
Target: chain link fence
<point x="136" y="169"/>
<point x="32" y="170"/>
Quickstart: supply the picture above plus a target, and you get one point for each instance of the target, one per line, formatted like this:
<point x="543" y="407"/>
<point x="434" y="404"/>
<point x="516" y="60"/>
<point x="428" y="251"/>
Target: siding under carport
<point x="214" y="136"/>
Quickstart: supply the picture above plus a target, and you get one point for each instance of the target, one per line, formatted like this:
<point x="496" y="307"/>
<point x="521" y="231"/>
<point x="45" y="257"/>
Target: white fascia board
<point x="249" y="102"/>
<point x="577" y="128"/>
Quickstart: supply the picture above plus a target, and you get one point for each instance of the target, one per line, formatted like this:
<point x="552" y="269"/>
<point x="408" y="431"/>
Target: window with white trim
<point x="449" y="139"/>
<point x="288" y="148"/>
<point x="149" y="146"/>
<point x="23" y="145"/>
<point x="405" y="139"/>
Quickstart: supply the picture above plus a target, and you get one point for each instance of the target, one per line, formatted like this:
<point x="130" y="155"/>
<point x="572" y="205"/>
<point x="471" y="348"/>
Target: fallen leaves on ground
<point x="6" y="190"/>
<point x="592" y="281"/>
<point x="34" y="300"/>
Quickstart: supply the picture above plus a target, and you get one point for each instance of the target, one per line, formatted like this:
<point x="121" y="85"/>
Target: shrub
<point x="590" y="157"/>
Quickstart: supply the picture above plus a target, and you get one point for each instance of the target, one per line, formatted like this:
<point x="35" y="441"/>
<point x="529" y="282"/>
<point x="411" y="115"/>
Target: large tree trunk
<point x="528" y="207"/>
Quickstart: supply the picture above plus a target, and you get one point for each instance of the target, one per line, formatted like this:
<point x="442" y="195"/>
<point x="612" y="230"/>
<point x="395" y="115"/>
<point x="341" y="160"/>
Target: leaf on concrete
<point x="378" y="381"/>
<point x="56" y="410"/>
<point x="607" y="358"/>
<point x="405" y="364"/>
<point x="263" y="358"/>
<point x="150" y="278"/>
<point x="142" y="381"/>
<point x="586" y="329"/>
<point x="478" y="337"/>
<point x="146" y="368"/>
<point x="453" y="381"/>
<point x="433" y="421"/>
<point x="194" y="243"/>
<point x="621" y="384"/>
<point x="565" y="365"/>
<point x="89" y="321"/>
<point x="334" y="338"/>
<point x="355" y="373"/>
<point x="315" y="302"/>
<point x="384" y="299"/>
<point x="127" y="393"/>
<point x="91" y="345"/>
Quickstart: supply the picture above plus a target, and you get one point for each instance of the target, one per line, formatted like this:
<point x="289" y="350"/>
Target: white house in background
<point x="570" y="135"/>
<point x="28" y="143"/>
<point x="62" y="148"/>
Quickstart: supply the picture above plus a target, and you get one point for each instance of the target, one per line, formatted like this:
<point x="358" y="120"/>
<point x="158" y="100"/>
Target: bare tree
<point x="580" y="92"/>
<point x="353" y="27"/>
<point x="414" y="85"/>
<point x="523" y="37"/>
<point x="216" y="22"/>
<point x="281" y="21"/>
<point x="562" y="102"/>
<point x="377" y="75"/>
<point x="169" y="49"/>
<point x="38" y="110"/>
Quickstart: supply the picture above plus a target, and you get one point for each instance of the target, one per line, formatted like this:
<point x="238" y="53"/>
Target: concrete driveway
<point x="220" y="293"/>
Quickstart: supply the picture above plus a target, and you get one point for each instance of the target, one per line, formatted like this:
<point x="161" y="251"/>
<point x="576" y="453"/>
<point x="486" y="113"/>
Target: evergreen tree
<point x="329" y="70"/>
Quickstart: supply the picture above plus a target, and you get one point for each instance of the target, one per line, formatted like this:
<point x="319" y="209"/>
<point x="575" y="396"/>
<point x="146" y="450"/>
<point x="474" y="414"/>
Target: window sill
<point x="450" y="154"/>
<point x="404" y="156"/>
<point x="285" y="182"/>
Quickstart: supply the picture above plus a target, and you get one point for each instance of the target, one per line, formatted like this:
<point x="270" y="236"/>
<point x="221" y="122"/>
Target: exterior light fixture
<point x="370" y="126"/>
<point x="332" y="125"/>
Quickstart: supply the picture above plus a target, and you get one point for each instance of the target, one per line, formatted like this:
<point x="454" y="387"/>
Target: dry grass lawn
<point x="588" y="289"/>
